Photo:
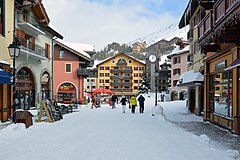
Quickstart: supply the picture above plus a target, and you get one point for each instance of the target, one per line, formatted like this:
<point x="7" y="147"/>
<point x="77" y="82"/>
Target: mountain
<point x="167" y="34"/>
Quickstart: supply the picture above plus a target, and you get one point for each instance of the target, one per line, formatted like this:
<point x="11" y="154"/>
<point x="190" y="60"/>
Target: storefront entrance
<point x="45" y="84"/>
<point x="25" y="89"/>
<point x="67" y="93"/>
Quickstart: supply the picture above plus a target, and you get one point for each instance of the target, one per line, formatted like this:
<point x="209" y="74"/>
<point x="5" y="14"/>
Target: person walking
<point x="123" y="102"/>
<point x="93" y="102"/>
<point x="114" y="101"/>
<point x="141" y="100"/>
<point x="133" y="102"/>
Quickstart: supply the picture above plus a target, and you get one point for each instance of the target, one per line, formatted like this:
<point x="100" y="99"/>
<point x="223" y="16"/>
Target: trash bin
<point x="24" y="117"/>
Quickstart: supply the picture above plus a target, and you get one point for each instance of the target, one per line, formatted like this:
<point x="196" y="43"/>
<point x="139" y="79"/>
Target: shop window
<point x="222" y="91"/>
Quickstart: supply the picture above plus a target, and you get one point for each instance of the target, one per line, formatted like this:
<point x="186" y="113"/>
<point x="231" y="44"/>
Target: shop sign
<point x="220" y="65"/>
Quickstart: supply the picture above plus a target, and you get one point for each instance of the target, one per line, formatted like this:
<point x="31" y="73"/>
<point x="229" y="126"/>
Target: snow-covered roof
<point x="164" y="59"/>
<point x="190" y="76"/>
<point x="178" y="51"/>
<point x="4" y="62"/>
<point x="141" y="61"/>
<point x="80" y="47"/>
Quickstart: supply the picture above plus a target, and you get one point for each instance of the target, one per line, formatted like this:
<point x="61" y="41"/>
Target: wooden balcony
<point x="216" y="18"/>
<point x="206" y="25"/>
<point x="83" y="72"/>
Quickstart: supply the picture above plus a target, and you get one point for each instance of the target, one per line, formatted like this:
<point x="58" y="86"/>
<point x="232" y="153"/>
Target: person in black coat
<point x="123" y="102"/>
<point x="114" y="101"/>
<point x="141" y="100"/>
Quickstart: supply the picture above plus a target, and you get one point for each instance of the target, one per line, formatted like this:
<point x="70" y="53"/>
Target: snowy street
<point x="108" y="134"/>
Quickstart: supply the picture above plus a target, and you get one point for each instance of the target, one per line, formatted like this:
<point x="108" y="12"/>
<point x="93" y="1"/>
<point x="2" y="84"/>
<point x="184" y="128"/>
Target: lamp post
<point x="14" y="51"/>
<point x="156" y="85"/>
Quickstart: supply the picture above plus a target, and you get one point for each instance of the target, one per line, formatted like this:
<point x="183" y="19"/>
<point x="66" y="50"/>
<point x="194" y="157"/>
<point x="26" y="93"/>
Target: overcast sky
<point x="100" y="22"/>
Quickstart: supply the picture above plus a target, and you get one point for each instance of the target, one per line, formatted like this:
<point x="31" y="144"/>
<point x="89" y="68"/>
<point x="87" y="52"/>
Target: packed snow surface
<point x="108" y="134"/>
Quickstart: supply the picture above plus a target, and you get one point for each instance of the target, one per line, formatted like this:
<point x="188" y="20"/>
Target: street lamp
<point x="14" y="52"/>
<point x="156" y="85"/>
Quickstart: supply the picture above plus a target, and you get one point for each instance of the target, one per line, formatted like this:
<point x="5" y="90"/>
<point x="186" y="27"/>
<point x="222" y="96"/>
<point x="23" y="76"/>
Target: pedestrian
<point x="114" y="101"/>
<point x="123" y="102"/>
<point x="93" y="102"/>
<point x="133" y="102"/>
<point x="141" y="100"/>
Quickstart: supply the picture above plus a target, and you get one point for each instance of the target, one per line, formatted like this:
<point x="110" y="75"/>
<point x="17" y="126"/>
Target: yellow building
<point x="121" y="73"/>
<point x="6" y="38"/>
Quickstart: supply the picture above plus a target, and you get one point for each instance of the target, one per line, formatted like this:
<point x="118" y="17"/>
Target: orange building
<point x="69" y="70"/>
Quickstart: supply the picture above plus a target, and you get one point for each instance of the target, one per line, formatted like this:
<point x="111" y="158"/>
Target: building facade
<point x="219" y="42"/>
<point x="193" y="14"/>
<point x="164" y="77"/>
<point x="121" y="73"/>
<point x="90" y="83"/>
<point x="6" y="38"/>
<point x="179" y="59"/>
<point x="69" y="71"/>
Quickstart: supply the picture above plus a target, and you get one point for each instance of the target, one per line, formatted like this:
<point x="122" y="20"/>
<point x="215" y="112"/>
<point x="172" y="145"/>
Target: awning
<point x="5" y="78"/>
<point x="234" y="64"/>
<point x="190" y="78"/>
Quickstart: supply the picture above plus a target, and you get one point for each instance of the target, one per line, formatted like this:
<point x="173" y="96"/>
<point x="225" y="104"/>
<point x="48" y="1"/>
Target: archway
<point x="67" y="93"/>
<point x="25" y="89"/>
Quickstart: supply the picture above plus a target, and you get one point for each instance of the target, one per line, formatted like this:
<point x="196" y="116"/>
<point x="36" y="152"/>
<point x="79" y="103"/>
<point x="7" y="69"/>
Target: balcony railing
<point x="83" y="72"/>
<point x="206" y="25"/>
<point x="121" y="83"/>
<point x="121" y="77"/>
<point x="121" y="70"/>
<point x="121" y="90"/>
<point x="32" y="47"/>
<point x="216" y="16"/>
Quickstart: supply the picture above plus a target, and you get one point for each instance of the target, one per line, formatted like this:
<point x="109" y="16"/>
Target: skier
<point x="141" y="100"/>
<point x="133" y="102"/>
<point x="123" y="102"/>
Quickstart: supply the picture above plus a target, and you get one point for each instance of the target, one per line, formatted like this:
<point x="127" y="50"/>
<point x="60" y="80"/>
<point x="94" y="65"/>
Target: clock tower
<point x="152" y="64"/>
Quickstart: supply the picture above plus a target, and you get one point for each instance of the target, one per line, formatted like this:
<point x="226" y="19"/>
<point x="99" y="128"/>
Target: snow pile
<point x="205" y="138"/>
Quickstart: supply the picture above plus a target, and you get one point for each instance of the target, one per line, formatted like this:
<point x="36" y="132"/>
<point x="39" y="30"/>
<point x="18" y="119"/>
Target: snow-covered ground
<point x="108" y="134"/>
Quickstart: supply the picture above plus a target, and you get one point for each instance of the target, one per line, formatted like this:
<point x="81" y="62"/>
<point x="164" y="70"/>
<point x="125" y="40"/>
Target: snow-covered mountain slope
<point x="167" y="34"/>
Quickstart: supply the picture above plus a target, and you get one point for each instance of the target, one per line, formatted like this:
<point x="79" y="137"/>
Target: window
<point x="92" y="80"/>
<point x="177" y="72"/>
<point x="140" y="74"/>
<point x="221" y="97"/>
<point x="115" y="67"/>
<point x="88" y="87"/>
<point x="135" y="81"/>
<point x="107" y="87"/>
<point x="107" y="81"/>
<point x="106" y="74"/>
<point x="135" y="88"/>
<point x="101" y="74"/>
<point x="129" y="61"/>
<point x="101" y="80"/>
<point x="175" y="82"/>
<point x="135" y="68"/>
<point x="127" y="87"/>
<point x="107" y="68"/>
<point x="128" y="68"/>
<point x="93" y="87"/>
<point x="126" y="80"/>
<point x="2" y="16"/>
<point x="141" y="68"/>
<point x="68" y="68"/>
<point x="176" y="60"/>
<point x="87" y="80"/>
<point x="101" y="68"/>
<point x="135" y="74"/>
<point x="47" y="50"/>
<point x="61" y="53"/>
<point x="113" y="61"/>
